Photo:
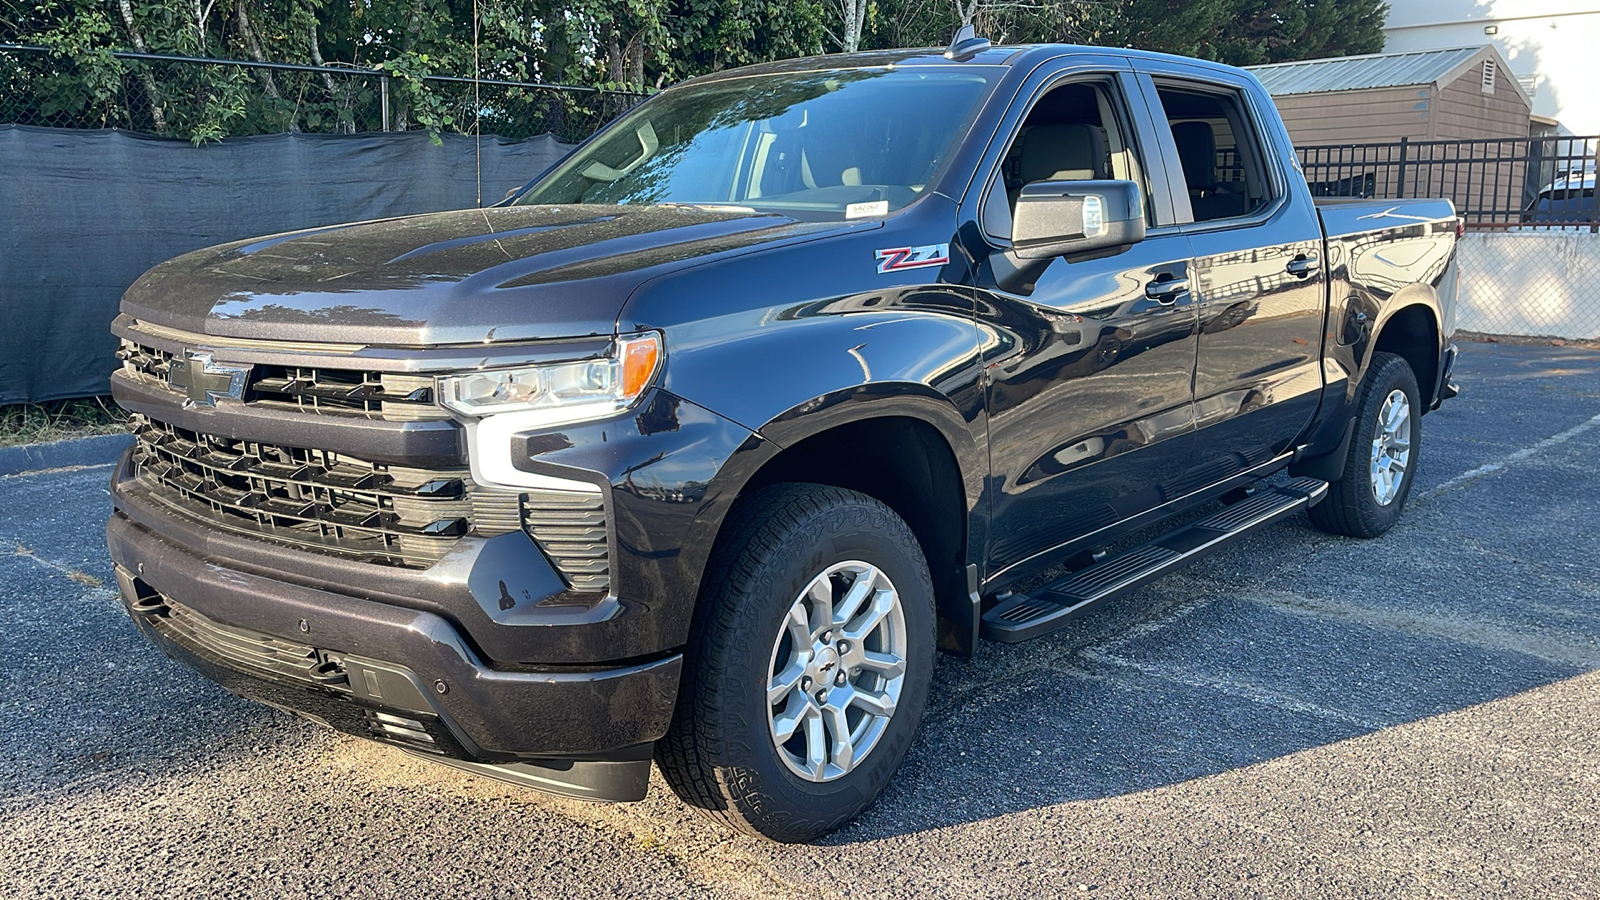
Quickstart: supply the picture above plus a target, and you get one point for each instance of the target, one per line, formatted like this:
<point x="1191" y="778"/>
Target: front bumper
<point x="401" y="676"/>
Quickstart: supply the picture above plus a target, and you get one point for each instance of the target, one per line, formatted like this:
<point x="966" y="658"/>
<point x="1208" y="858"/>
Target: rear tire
<point x="808" y="665"/>
<point x="1368" y="498"/>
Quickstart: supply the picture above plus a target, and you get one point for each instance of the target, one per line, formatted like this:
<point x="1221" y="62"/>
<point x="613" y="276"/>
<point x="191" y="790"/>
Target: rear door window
<point x="1223" y="169"/>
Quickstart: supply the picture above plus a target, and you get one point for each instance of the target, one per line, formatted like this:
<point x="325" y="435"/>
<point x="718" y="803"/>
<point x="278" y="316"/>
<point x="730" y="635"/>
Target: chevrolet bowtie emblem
<point x="203" y="381"/>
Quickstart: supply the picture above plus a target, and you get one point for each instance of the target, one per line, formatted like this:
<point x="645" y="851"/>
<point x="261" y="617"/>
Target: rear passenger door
<point x="1088" y="365"/>
<point x="1258" y="283"/>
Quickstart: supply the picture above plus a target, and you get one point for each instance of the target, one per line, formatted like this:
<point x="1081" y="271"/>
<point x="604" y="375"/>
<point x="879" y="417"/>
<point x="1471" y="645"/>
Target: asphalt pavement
<point x="1297" y="715"/>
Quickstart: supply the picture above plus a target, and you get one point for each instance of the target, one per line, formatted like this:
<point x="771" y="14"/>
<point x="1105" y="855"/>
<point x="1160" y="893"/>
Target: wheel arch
<point x="1413" y="333"/>
<point x="1410" y="330"/>
<point x="910" y="449"/>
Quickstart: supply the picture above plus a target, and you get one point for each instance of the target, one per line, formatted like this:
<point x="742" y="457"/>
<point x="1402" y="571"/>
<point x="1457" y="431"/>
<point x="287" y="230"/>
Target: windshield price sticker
<point x="863" y="210"/>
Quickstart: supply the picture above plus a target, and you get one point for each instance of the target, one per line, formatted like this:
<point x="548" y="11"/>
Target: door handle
<point x="1303" y="266"/>
<point x="1167" y="291"/>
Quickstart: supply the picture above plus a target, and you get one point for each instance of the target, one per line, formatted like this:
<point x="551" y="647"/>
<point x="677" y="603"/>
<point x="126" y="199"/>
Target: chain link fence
<point x="208" y="99"/>
<point x="1533" y="283"/>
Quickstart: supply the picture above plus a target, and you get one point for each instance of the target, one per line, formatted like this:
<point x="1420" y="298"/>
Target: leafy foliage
<point x="617" y="44"/>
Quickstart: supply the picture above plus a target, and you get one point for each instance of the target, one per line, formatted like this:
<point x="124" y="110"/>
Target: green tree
<point x="1251" y="32"/>
<point x="711" y="35"/>
<point x="632" y="44"/>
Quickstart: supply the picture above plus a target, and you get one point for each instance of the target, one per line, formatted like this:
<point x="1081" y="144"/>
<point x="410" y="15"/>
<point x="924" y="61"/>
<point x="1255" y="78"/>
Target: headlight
<point x="563" y="392"/>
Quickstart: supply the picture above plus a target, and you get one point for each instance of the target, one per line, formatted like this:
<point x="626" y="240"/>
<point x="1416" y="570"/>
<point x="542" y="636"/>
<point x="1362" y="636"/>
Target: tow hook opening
<point x="142" y="599"/>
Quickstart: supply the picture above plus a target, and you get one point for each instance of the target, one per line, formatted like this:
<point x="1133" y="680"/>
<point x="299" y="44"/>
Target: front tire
<point x="808" y="666"/>
<point x="1367" y="499"/>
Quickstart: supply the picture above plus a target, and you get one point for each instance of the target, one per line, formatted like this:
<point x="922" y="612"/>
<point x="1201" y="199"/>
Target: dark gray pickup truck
<point x="701" y="446"/>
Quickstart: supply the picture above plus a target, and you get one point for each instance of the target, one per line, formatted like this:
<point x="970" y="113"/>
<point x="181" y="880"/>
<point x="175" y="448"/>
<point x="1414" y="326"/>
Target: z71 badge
<point x="897" y="258"/>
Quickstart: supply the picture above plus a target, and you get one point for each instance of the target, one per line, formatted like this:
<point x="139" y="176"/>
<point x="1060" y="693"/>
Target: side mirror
<point x="1054" y="218"/>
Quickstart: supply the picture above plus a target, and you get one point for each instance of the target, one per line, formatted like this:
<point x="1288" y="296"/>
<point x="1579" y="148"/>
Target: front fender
<point x="769" y="339"/>
<point x="791" y="383"/>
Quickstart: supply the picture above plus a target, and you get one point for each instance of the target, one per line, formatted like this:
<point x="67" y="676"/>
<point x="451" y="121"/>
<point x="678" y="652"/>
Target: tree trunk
<point x="413" y="24"/>
<point x="402" y="109"/>
<point x="616" y="65"/>
<point x="158" y="116"/>
<point x="268" y="83"/>
<point x="202" y="12"/>
<point x="636" y="60"/>
<point x="346" y="125"/>
<point x="854" y="14"/>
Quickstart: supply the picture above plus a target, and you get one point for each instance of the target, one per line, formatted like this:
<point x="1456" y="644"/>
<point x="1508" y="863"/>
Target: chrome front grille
<point x="390" y="395"/>
<point x="322" y="390"/>
<point x="331" y="503"/>
<point x="313" y="499"/>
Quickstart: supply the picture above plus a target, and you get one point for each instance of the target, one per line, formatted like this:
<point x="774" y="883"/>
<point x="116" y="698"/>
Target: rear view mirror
<point x="1054" y="218"/>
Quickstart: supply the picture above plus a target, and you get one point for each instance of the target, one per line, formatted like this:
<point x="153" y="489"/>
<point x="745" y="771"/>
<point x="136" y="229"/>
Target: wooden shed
<point x="1429" y="95"/>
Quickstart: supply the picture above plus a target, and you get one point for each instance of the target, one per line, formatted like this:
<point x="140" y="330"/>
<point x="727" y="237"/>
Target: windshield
<point x="817" y="145"/>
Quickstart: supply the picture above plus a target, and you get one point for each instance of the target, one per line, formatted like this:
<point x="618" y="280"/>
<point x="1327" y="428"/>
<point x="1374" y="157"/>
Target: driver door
<point x="1089" y="368"/>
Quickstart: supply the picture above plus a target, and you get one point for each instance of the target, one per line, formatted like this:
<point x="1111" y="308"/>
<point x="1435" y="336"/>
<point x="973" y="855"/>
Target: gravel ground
<point x="1297" y="715"/>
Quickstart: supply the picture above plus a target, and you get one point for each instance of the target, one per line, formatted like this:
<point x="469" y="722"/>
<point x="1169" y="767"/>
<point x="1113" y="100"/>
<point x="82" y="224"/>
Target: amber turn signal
<point x="640" y="355"/>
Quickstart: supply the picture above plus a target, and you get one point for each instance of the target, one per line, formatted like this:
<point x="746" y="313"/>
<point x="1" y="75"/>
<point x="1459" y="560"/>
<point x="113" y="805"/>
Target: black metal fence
<point x="206" y="99"/>
<point x="1495" y="183"/>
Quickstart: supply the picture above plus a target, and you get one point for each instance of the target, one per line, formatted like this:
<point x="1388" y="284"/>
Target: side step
<point x="1024" y="616"/>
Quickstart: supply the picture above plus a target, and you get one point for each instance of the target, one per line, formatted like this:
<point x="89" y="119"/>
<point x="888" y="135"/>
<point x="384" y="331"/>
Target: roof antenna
<point x="966" y="44"/>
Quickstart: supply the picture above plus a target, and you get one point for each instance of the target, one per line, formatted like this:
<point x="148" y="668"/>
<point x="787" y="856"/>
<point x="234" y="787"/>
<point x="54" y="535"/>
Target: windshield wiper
<point x="709" y="207"/>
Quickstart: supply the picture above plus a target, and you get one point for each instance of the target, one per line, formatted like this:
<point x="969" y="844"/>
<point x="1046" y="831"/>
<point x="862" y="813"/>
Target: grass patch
<point x="34" y="423"/>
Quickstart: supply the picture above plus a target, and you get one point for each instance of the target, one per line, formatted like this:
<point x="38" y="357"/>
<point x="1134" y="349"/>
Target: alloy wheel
<point x="838" y="665"/>
<point x="1391" y="447"/>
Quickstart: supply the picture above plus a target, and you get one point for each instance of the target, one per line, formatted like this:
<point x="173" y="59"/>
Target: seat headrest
<point x="1062" y="152"/>
<point x="1197" y="150"/>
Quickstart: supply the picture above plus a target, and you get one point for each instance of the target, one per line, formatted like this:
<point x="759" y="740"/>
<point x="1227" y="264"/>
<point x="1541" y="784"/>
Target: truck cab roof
<point x="1023" y="56"/>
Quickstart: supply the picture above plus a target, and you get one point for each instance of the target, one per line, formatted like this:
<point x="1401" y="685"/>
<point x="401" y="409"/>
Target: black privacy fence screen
<point x="164" y="155"/>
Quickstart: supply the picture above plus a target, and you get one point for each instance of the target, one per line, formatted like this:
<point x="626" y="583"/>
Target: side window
<point x="1073" y="133"/>
<point x="1221" y="155"/>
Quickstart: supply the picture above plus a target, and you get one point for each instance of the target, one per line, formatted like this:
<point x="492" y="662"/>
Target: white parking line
<point x="91" y="585"/>
<point x="1511" y="459"/>
<point x="1233" y="688"/>
<point x="1105" y="655"/>
<point x="1460" y="629"/>
<point x="56" y="471"/>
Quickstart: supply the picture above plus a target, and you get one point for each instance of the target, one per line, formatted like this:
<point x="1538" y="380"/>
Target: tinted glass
<point x="1222" y="163"/>
<point x="848" y="143"/>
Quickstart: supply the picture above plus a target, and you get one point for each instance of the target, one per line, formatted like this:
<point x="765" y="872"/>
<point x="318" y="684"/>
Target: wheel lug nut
<point x="805" y="684"/>
<point x="844" y="646"/>
<point x="840" y="680"/>
<point x="822" y="698"/>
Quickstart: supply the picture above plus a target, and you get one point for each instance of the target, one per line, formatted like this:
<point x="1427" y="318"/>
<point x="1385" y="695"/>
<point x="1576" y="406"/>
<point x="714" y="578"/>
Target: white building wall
<point x="1555" y="41"/>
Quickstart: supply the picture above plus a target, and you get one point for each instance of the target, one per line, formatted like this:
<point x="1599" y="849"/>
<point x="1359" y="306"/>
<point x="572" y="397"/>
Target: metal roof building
<point x="1461" y="93"/>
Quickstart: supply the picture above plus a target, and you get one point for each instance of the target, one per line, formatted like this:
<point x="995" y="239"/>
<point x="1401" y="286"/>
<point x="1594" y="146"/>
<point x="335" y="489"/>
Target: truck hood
<point x="508" y="273"/>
